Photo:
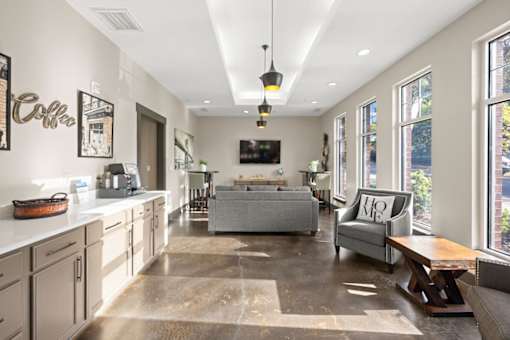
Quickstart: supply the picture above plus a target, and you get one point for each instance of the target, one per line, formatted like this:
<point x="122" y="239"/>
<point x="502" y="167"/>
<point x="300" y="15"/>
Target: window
<point x="340" y="157"/>
<point x="369" y="145"/>
<point x="416" y="145"/>
<point x="498" y="110"/>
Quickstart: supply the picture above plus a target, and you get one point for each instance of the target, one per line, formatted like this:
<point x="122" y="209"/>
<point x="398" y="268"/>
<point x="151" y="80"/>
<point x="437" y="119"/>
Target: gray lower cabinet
<point x="148" y="239"/>
<point x="108" y="267"/>
<point x="58" y="294"/>
<point x="12" y="311"/>
<point x="94" y="278"/>
<point x="160" y="228"/>
<point x="142" y="240"/>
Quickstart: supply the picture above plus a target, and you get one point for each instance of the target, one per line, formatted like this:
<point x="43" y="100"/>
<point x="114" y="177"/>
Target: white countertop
<point x="16" y="234"/>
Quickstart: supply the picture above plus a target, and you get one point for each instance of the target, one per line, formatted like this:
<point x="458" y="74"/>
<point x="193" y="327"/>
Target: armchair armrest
<point x="345" y="214"/>
<point x="493" y="274"/>
<point x="399" y="225"/>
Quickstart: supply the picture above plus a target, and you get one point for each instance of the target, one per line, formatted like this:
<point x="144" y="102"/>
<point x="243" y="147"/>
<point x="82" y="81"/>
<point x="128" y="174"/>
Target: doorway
<point x="151" y="141"/>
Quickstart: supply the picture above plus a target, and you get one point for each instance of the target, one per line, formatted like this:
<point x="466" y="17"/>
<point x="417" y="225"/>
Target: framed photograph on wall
<point x="95" y="126"/>
<point x="5" y="102"/>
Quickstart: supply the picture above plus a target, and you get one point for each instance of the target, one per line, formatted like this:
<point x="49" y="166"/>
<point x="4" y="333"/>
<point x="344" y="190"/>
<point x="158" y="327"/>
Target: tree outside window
<point x="499" y="143"/>
<point x="416" y="145"/>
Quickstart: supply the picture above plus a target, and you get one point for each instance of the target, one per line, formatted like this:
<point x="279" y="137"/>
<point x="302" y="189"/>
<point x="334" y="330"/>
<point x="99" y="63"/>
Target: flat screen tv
<point x="259" y="152"/>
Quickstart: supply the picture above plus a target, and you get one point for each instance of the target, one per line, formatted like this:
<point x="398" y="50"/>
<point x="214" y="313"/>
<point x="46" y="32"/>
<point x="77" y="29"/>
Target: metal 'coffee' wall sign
<point x="51" y="116"/>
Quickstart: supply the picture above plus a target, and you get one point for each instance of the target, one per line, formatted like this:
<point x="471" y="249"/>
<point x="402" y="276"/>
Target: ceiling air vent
<point x="118" y="19"/>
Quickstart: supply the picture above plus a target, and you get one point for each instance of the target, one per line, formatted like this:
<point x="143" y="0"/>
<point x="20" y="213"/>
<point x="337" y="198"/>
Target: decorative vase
<point x="203" y="167"/>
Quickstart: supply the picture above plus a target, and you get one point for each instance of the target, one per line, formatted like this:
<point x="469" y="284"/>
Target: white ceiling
<point x="210" y="49"/>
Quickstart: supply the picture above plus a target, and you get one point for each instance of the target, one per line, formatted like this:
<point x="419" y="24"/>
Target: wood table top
<point x="437" y="253"/>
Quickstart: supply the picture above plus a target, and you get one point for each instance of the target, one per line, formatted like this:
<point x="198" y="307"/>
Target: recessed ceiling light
<point x="331" y="84"/>
<point x="363" y="52"/>
<point x="246" y="111"/>
<point x="207" y="101"/>
<point x="315" y="102"/>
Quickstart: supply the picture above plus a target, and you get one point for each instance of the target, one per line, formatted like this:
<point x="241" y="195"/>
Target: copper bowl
<point x="41" y="207"/>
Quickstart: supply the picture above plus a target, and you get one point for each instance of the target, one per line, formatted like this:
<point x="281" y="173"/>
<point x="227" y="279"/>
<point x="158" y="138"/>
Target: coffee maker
<point x="124" y="181"/>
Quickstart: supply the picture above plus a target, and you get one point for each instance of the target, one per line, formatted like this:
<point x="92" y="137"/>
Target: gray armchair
<point x="490" y="299"/>
<point x="369" y="238"/>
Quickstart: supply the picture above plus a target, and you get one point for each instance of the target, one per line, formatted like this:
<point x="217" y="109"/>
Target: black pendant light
<point x="272" y="79"/>
<point x="261" y="123"/>
<point x="264" y="108"/>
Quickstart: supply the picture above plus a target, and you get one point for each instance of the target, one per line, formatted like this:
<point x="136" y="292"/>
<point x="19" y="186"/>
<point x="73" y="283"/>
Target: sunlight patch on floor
<point x="249" y="302"/>
<point x="210" y="245"/>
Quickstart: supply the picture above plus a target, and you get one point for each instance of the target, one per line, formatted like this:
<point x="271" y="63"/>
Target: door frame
<point x="142" y="111"/>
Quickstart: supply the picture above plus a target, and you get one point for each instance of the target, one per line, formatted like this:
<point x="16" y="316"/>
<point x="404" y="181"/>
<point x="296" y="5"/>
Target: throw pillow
<point x="375" y="208"/>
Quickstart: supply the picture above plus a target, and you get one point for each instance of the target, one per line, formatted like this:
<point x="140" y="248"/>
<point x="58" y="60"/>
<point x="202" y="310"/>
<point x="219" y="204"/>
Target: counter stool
<point x="197" y="190"/>
<point x="321" y="186"/>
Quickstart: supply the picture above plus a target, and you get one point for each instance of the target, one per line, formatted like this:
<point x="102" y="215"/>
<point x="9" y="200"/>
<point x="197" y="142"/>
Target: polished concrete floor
<point x="262" y="286"/>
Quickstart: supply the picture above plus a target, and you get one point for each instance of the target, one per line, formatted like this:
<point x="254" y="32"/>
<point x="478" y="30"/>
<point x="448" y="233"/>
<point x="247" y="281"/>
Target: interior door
<point x="148" y="166"/>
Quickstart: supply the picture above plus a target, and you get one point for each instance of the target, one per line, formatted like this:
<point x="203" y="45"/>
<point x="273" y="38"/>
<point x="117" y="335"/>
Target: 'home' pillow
<point x="375" y="208"/>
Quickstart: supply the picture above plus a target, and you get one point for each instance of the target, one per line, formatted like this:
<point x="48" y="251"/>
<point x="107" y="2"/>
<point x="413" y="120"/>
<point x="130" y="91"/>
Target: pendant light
<point x="264" y="108"/>
<point x="261" y="123"/>
<point x="272" y="79"/>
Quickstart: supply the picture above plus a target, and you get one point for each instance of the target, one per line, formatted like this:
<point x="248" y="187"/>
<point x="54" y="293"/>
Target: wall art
<point x="5" y="102"/>
<point x="95" y="126"/>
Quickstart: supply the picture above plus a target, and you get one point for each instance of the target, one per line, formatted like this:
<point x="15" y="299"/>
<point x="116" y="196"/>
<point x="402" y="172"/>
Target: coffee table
<point x="435" y="290"/>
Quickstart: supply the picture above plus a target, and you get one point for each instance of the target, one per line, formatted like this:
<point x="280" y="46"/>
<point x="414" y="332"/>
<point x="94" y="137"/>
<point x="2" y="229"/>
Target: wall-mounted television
<point x="259" y="152"/>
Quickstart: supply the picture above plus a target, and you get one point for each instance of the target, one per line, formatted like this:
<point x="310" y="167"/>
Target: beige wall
<point x="456" y="116"/>
<point x="55" y="52"/>
<point x="218" y="142"/>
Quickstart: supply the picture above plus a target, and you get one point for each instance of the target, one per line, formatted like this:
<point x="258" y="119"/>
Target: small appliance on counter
<point x="121" y="180"/>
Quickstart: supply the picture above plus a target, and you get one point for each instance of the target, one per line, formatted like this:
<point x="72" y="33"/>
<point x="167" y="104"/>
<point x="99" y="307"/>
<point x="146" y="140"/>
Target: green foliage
<point x="422" y="189"/>
<point x="505" y="221"/>
<point x="202" y="162"/>
<point x="506" y="129"/>
<point x="422" y="142"/>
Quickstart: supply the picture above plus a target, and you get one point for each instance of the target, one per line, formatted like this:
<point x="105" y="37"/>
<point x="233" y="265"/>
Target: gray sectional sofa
<point x="263" y="209"/>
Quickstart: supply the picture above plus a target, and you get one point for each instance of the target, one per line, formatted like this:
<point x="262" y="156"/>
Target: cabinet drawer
<point x="11" y="310"/>
<point x="57" y="248"/>
<point x="159" y="203"/>
<point x="115" y="220"/>
<point x="11" y="268"/>
<point x="94" y="232"/>
<point x="142" y="210"/>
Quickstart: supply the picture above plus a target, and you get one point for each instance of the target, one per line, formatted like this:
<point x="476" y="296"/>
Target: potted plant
<point x="203" y="165"/>
<point x="313" y="166"/>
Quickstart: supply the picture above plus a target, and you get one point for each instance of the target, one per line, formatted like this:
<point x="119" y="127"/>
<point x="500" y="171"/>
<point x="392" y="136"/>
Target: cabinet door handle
<point x="79" y="269"/>
<point x="53" y="252"/>
<point x="161" y="204"/>
<point x="113" y="225"/>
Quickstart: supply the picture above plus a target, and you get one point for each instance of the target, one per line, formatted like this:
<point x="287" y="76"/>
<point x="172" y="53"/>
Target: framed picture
<point x="183" y="150"/>
<point x="95" y="126"/>
<point x="5" y="102"/>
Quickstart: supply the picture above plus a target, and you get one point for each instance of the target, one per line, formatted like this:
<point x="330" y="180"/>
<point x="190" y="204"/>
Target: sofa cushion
<point x="373" y="233"/>
<point x="491" y="310"/>
<point x="262" y="188"/>
<point x="230" y="188"/>
<point x="296" y="188"/>
<point x="264" y="195"/>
